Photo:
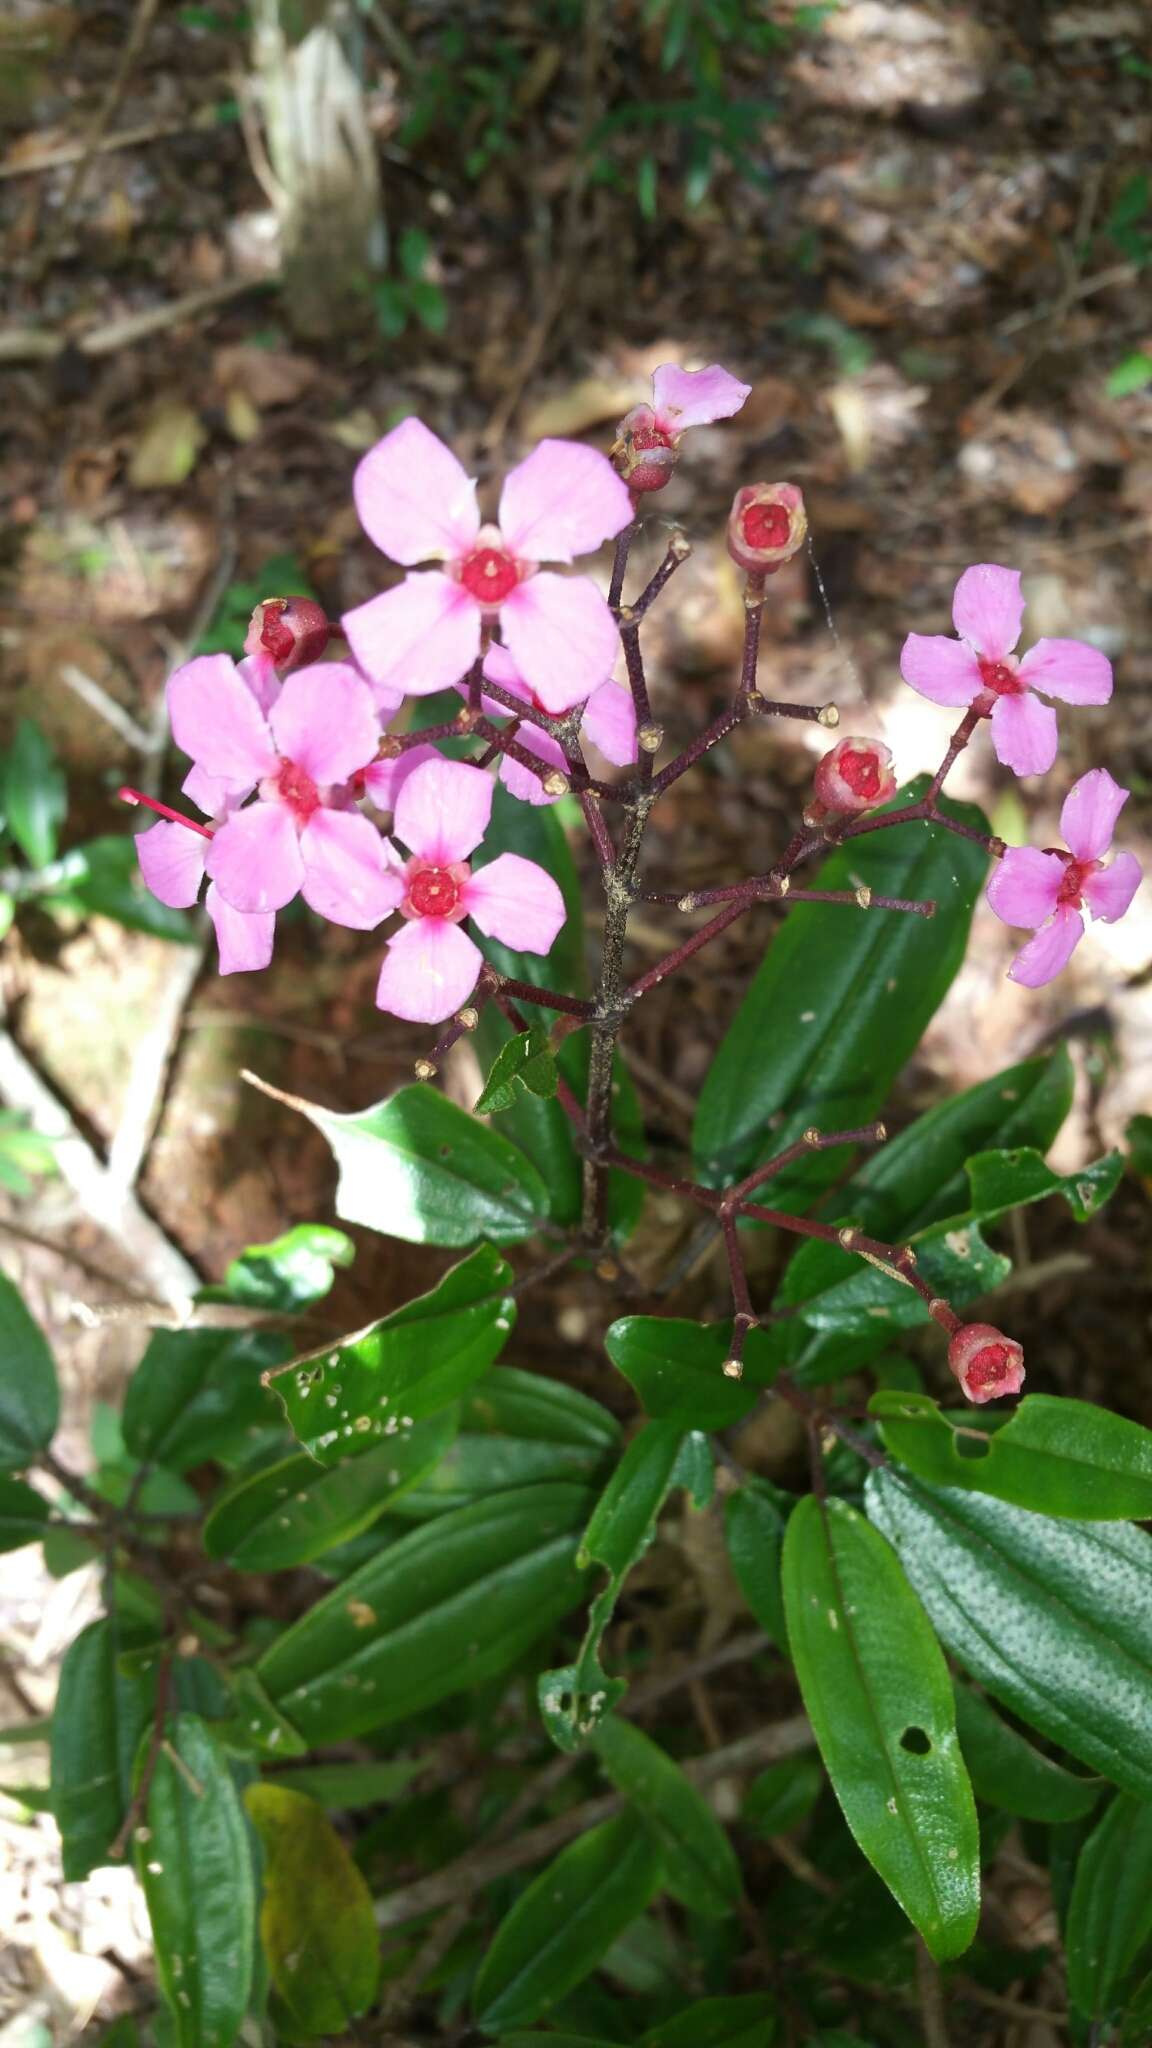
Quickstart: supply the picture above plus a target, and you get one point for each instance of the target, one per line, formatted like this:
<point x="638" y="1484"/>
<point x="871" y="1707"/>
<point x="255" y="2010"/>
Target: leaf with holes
<point x="1110" y="1914"/>
<point x="316" y="1920"/>
<point x="699" y="1864"/>
<point x="877" y="1692"/>
<point x="1051" y="1616"/>
<point x="1052" y="1454"/>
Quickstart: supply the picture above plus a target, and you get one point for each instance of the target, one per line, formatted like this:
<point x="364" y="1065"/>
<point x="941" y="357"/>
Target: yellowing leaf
<point x="316" y="1922"/>
<point x="167" y="449"/>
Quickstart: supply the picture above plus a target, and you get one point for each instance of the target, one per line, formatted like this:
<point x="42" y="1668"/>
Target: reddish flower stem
<point x="753" y="616"/>
<point x="679" y="549"/>
<point x="151" y="803"/>
<point x="624" y="542"/>
<point x="396" y="743"/>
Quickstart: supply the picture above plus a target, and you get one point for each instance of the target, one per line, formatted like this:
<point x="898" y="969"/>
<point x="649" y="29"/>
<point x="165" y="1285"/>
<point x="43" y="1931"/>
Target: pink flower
<point x="172" y="861"/>
<point x="431" y="966"/>
<point x="855" y="775"/>
<point x="609" y="721"/>
<point x="986" y="1362"/>
<point x="648" y="437"/>
<point x="303" y="833"/>
<point x="418" y="505"/>
<point x="292" y="631"/>
<point x="1048" y="890"/>
<point x="981" y="669"/>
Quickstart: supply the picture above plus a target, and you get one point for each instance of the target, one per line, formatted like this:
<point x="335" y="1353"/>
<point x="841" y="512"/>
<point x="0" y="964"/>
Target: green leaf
<point x="1051" y="1617"/>
<point x="1132" y="373"/>
<point x="754" y="1531"/>
<point x="699" y="1863"/>
<point x="196" y="1870"/>
<point x="748" y="2022"/>
<point x="255" y="1727"/>
<point x="525" y="1404"/>
<point x="526" y="1061"/>
<point x="445" y="1607"/>
<point x="676" y="1368"/>
<point x="316" y="1920"/>
<point x="33" y="793"/>
<point x="104" y="880"/>
<point x="1138" y="1132"/>
<point x="877" y="1692"/>
<point x="1006" y="1180"/>
<point x="29" y="1396"/>
<point x="783" y="1795"/>
<point x="842" y="998"/>
<point x="290" y="1273"/>
<point x="1007" y="1772"/>
<point x="291" y="1512"/>
<point x="23" y="1514"/>
<point x="197" y="1394"/>
<point x="96" y="1729"/>
<point x="418" y="1168"/>
<point x="474" y="1466"/>
<point x="404" y="1368"/>
<point x="565" y="1922"/>
<point x="1054" y="1455"/>
<point x="347" y="1787"/>
<point x="1110" y="1915"/>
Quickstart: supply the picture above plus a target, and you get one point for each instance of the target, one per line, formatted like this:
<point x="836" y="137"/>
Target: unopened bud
<point x="644" y="454"/>
<point x="291" y="631"/>
<point x="986" y="1362"/>
<point x="766" y="527"/>
<point x="854" y="776"/>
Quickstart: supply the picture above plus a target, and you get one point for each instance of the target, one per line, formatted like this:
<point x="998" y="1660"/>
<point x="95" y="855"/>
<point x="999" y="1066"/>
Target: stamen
<point x="151" y="803"/>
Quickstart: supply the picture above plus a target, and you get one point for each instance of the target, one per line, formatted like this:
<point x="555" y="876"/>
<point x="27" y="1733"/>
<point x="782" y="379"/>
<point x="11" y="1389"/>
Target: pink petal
<point x="346" y="873"/>
<point x="244" y="943"/>
<point x="515" y="900"/>
<point x="1044" y="956"/>
<point x="213" y="794"/>
<point x="944" y="670"/>
<point x="562" y="501"/>
<point x="1109" y="893"/>
<point x="384" y="780"/>
<point x="325" y="721"/>
<point x="172" y="863"/>
<point x="1024" y="734"/>
<point x="1069" y="670"/>
<point x="216" y="719"/>
<point x="254" y="859"/>
<point x="609" y="721"/>
<point x="442" y="810"/>
<point x="421" y="636"/>
<point x="1090" y="811"/>
<point x="692" y="398"/>
<point x="414" y="499"/>
<point x="562" y="637"/>
<point x="499" y="667"/>
<point x="429" y="970"/>
<point x="520" y="781"/>
<point x="258" y="673"/>
<point x="988" y="608"/>
<point x="1024" y="886"/>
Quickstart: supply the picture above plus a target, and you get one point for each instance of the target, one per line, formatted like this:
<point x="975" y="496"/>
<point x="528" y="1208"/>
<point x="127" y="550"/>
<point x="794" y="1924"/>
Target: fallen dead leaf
<point x="167" y="450"/>
<point x="266" y="377"/>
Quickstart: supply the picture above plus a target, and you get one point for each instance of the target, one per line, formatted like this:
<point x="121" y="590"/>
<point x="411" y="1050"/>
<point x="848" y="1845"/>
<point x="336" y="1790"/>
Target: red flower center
<point x="1000" y="679"/>
<point x="489" y="575"/>
<point x="295" y="787"/>
<point x="650" y="437"/>
<point x="276" y="638"/>
<point x="862" y="773"/>
<point x="766" y="526"/>
<point x="1075" y="875"/>
<point x="988" y="1368"/>
<point x="433" y="892"/>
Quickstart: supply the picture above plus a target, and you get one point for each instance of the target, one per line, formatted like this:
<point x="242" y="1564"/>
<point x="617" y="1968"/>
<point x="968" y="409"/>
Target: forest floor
<point x="930" y="263"/>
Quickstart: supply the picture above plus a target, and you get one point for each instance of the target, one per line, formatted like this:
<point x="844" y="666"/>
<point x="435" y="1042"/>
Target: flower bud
<point x="644" y="454"/>
<point x="766" y="527"/>
<point x="290" y="631"/>
<point x="986" y="1362"/>
<point x="855" y="776"/>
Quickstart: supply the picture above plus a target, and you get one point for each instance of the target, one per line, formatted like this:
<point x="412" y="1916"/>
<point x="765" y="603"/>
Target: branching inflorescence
<point x="295" y="773"/>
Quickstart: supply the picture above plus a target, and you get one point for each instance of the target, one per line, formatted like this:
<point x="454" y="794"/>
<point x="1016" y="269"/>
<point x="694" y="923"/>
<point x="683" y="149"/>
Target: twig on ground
<point x="93" y="694"/>
<point x="66" y="153"/>
<point x="42" y="344"/>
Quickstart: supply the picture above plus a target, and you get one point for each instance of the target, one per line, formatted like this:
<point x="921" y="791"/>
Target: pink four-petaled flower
<point x="418" y="504"/>
<point x="1047" y="890"/>
<point x="431" y="966"/>
<point x="987" y="612"/>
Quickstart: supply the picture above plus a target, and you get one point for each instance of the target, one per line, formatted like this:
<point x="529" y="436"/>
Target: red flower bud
<point x="855" y="776"/>
<point x="986" y="1362"/>
<point x="766" y="527"/>
<point x="644" y="453"/>
<point x="291" y="631"/>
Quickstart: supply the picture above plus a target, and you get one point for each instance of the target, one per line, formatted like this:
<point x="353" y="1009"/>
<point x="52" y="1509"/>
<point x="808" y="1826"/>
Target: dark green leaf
<point x="288" y="1513"/>
<point x="475" y="1466"/>
<point x="783" y="1795"/>
<point x="1138" y="1132"/>
<point x="196" y="1394"/>
<point x="526" y="1061"/>
<point x="526" y="1404"/>
<point x="1057" y="1456"/>
<point x="699" y="1864"/>
<point x="290" y="1273"/>
<point x="29" y="1396"/>
<point x="33" y="793"/>
<point x="408" y="1366"/>
<point x="842" y="998"/>
<point x="23" y="1514"/>
<point x="96" y="1728"/>
<point x="1007" y="1772"/>
<point x="566" y="1921"/>
<point x="1006" y="1180"/>
<point x="877" y="1692"/>
<point x="196" y="1869"/>
<point x="1110" y="1916"/>
<point x="677" y="1369"/>
<point x="256" y="1727"/>
<point x="748" y="2022"/>
<point x="1051" y="1617"/>
<point x="445" y="1607"/>
<point x="316" y="1920"/>
<point x="104" y="880"/>
<point x="344" y="1787"/>
<point x="754" y="1529"/>
<point x="418" y="1168"/>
